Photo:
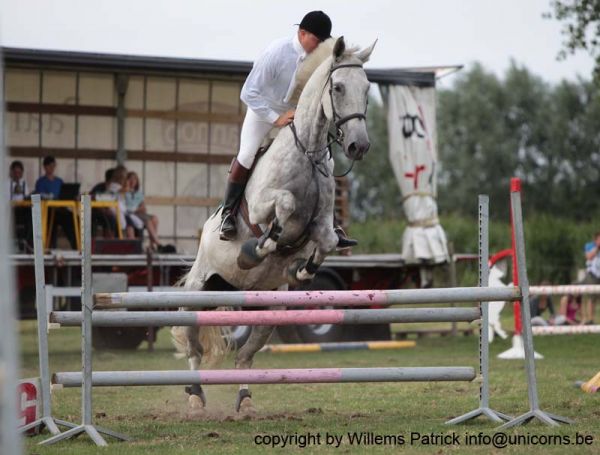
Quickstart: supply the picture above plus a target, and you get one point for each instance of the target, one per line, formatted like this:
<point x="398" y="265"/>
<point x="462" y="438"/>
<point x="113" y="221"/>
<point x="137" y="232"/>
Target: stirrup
<point x="227" y="232"/>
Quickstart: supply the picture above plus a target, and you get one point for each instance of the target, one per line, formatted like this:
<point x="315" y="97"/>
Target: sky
<point x="409" y="33"/>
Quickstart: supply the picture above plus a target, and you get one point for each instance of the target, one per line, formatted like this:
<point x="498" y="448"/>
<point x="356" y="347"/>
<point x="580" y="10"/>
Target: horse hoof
<point x="293" y="272"/>
<point x="247" y="408"/>
<point x="196" y="406"/>
<point x="248" y="258"/>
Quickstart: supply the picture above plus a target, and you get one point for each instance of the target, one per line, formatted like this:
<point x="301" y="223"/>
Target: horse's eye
<point x="339" y="88"/>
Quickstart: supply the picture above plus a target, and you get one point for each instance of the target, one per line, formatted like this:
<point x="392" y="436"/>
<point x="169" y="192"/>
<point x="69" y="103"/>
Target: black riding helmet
<point x="317" y="23"/>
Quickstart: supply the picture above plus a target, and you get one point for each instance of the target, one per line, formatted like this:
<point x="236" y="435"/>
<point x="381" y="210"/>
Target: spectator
<point x="569" y="306"/>
<point x="17" y="185"/>
<point x="49" y="185"/>
<point x="102" y="186"/>
<point x="118" y="188"/>
<point x="134" y="200"/>
<point x="17" y="190"/>
<point x="539" y="305"/>
<point x="592" y="275"/>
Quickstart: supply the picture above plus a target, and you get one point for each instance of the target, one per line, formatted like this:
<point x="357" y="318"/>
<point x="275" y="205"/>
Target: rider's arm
<point x="263" y="73"/>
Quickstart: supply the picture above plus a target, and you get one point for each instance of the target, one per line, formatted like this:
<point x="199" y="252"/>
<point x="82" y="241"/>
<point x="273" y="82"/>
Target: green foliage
<point x="554" y="245"/>
<point x="581" y="28"/>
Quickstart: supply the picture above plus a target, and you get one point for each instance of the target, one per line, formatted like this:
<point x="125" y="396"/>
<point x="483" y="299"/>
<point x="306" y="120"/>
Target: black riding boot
<point x="236" y="183"/>
<point x="343" y="241"/>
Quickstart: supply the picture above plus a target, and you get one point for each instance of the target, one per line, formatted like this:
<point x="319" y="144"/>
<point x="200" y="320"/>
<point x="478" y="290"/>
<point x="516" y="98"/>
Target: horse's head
<point x="345" y="98"/>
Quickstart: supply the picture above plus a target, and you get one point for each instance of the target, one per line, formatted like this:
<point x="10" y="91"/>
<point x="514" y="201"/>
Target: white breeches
<point x="254" y="131"/>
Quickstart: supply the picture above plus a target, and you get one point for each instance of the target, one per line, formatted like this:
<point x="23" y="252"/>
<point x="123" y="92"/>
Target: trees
<point x="581" y="28"/>
<point x="491" y="129"/>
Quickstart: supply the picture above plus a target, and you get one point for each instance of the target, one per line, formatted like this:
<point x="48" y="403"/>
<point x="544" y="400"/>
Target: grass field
<point x="156" y="416"/>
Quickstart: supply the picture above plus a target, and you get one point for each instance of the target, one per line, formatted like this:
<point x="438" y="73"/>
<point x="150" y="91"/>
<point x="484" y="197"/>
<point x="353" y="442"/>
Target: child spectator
<point x="17" y="189"/>
<point x="17" y="185"/>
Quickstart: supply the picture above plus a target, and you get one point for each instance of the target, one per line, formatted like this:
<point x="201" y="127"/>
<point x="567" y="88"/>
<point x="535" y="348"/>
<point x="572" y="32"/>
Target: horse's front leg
<point x="279" y="202"/>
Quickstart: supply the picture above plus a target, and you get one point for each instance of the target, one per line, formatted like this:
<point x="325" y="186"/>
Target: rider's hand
<point x="284" y="119"/>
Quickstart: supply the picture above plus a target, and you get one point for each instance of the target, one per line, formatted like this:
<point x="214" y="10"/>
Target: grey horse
<point x="291" y="194"/>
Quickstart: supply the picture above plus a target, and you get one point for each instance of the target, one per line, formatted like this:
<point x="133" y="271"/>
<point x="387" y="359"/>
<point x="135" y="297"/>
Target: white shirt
<point x="17" y="190"/>
<point x="268" y="86"/>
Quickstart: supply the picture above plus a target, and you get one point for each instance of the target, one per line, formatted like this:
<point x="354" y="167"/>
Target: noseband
<point x="316" y="156"/>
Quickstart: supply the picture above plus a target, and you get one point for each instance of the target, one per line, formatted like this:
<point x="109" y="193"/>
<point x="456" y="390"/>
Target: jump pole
<point x="87" y="425"/>
<point x="484" y="344"/>
<point x="273" y="376"/>
<point x="208" y="299"/>
<point x="9" y="359"/>
<point x="337" y="346"/>
<point x="517" y="351"/>
<point x="534" y="407"/>
<point x="46" y="419"/>
<point x="275" y="318"/>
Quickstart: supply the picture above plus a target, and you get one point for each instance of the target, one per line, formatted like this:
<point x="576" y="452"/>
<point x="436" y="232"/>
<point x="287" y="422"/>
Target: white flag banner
<point x="413" y="155"/>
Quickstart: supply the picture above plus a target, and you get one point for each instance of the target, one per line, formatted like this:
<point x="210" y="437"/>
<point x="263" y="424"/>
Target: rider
<point x="267" y="92"/>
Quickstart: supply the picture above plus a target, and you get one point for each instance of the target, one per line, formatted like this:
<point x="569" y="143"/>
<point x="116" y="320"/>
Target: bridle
<point x="316" y="157"/>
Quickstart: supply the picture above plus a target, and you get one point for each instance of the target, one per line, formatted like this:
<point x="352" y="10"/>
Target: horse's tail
<point x="213" y="343"/>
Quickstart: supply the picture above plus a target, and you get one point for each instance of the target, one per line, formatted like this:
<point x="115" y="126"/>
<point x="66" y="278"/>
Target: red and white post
<point x="517" y="351"/>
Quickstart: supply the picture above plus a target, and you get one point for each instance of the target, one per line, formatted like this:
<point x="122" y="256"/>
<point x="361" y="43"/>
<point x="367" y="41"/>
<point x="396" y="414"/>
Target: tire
<point x="128" y="338"/>
<point x="325" y="280"/>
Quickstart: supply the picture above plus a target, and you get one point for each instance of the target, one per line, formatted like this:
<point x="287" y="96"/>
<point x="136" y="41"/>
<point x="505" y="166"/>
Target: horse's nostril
<point x="352" y="149"/>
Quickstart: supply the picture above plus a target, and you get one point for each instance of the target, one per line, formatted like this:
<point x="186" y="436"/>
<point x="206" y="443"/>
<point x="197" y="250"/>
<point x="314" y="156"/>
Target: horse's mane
<point x="312" y="61"/>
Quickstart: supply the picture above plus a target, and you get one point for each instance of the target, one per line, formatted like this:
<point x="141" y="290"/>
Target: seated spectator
<point x="102" y="186"/>
<point x="569" y="306"/>
<point x="48" y="187"/>
<point x="539" y="305"/>
<point x="18" y="191"/>
<point x="118" y="188"/>
<point x="17" y="185"/>
<point x="134" y="200"/>
<point x="592" y="276"/>
<point x="103" y="218"/>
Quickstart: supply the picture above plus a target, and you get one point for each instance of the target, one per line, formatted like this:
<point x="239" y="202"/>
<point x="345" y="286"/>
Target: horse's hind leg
<point x="243" y="360"/>
<point x="187" y="342"/>
<point x="324" y="236"/>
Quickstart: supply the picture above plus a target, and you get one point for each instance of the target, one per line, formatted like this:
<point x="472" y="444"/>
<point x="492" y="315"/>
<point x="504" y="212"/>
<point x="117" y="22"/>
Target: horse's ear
<point x="339" y="48"/>
<point x="366" y="53"/>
